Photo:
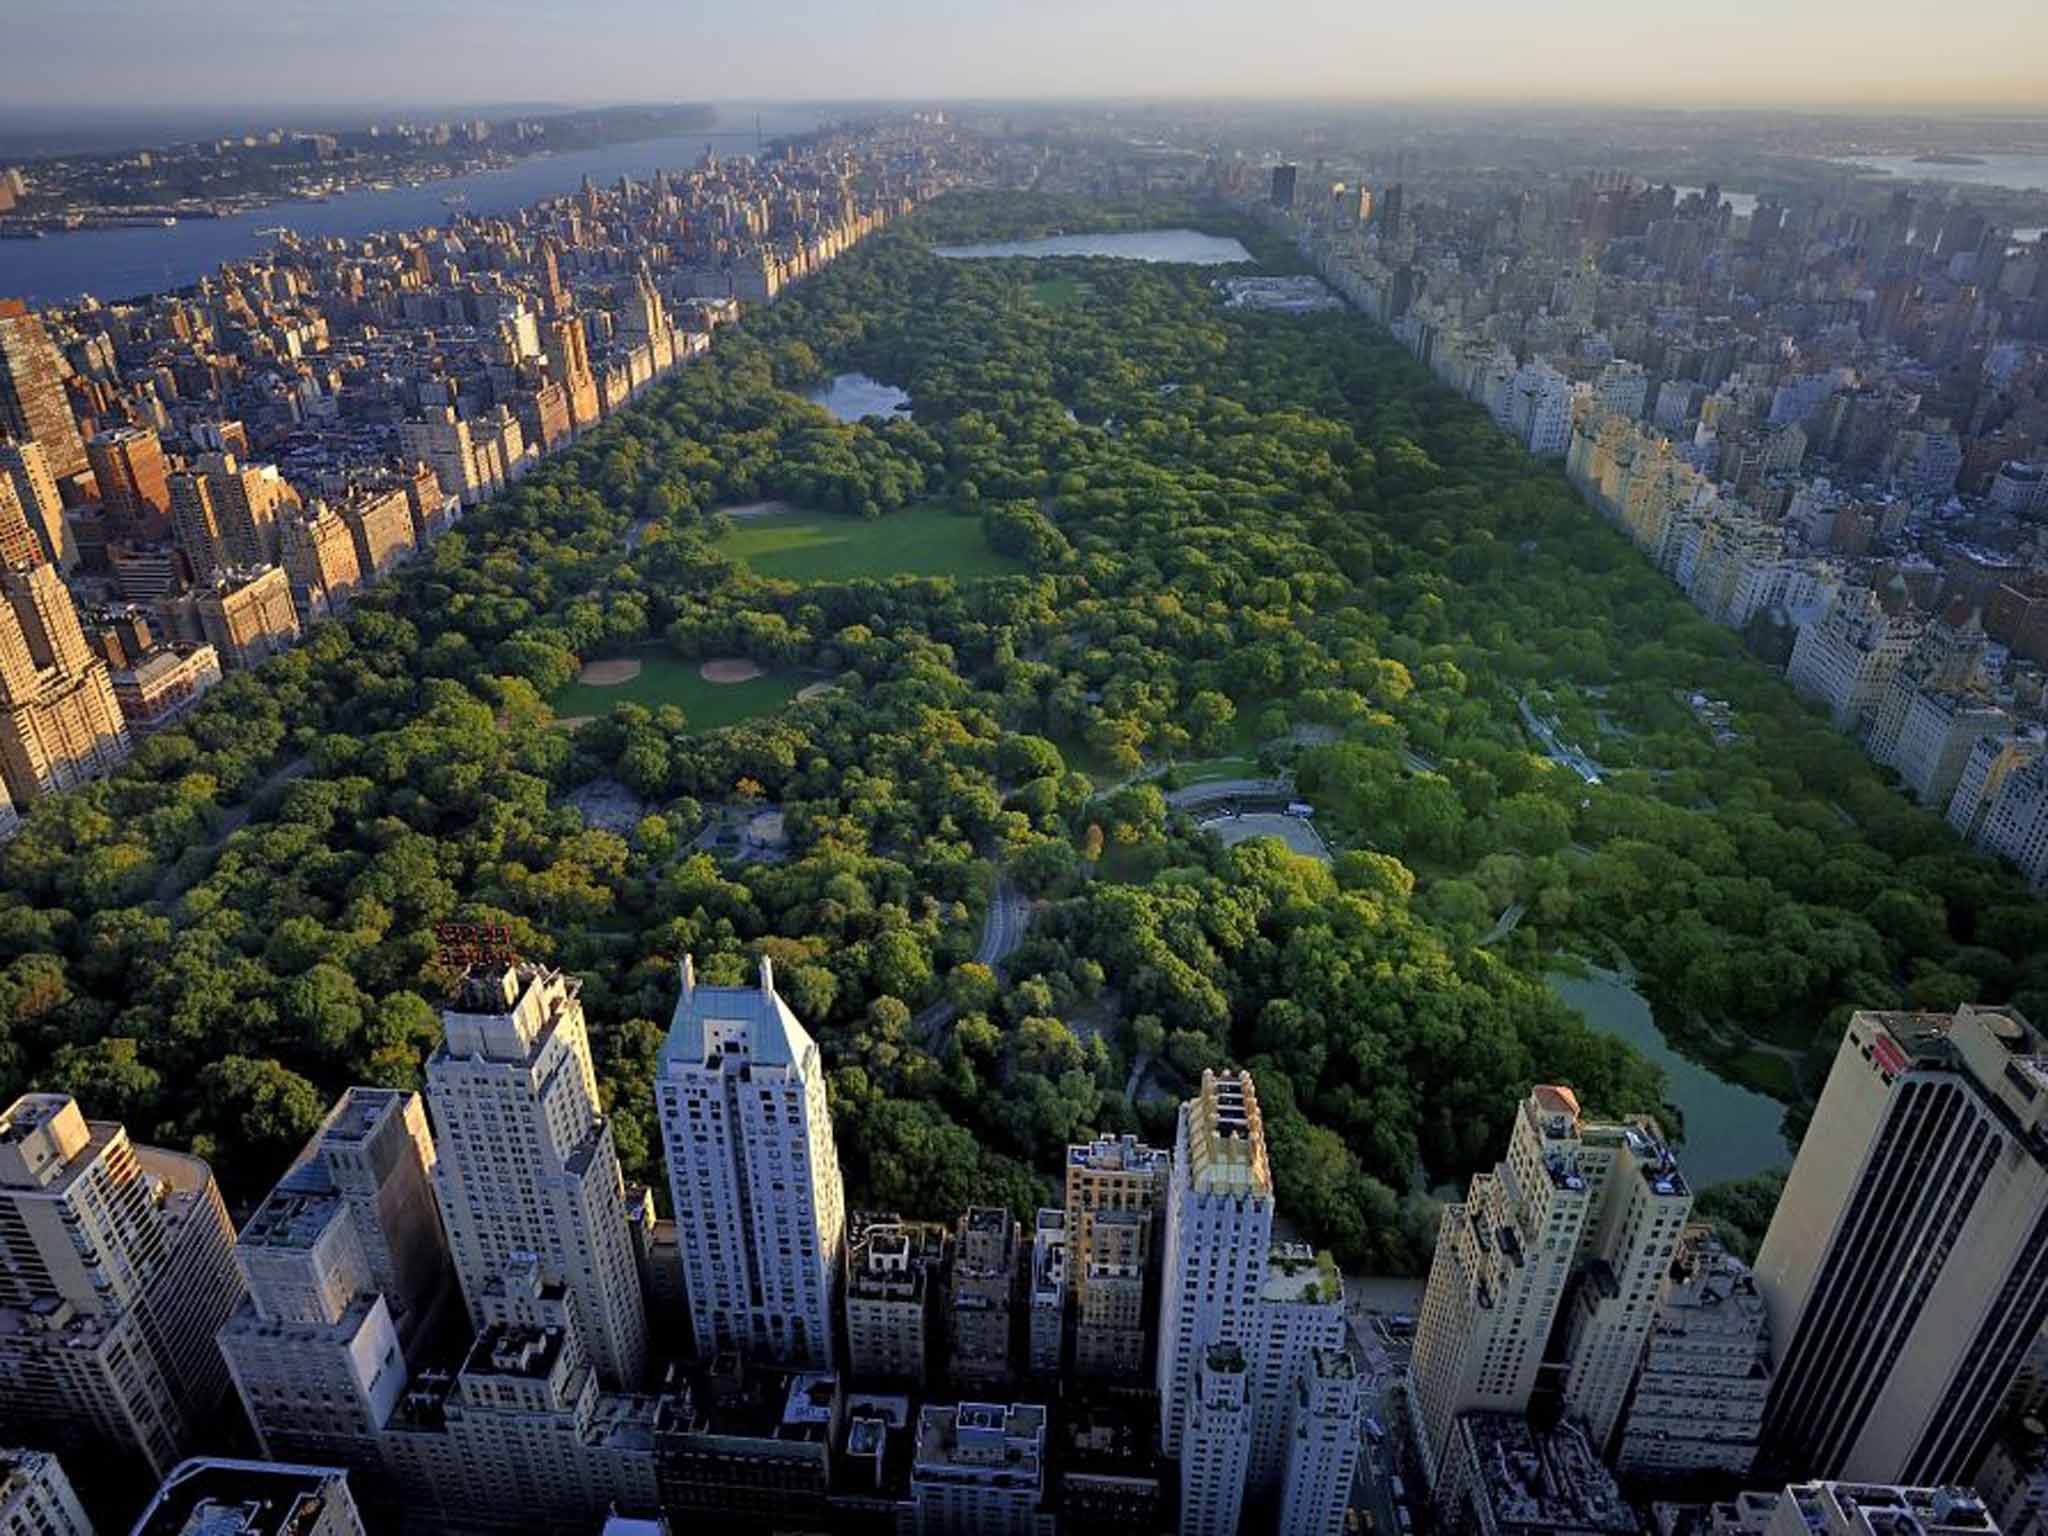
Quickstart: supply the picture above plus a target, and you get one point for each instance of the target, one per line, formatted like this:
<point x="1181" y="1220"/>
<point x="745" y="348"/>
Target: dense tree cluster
<point x="1240" y="533"/>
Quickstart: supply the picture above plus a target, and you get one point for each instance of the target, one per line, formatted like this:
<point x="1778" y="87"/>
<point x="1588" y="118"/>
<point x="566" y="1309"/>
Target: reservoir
<point x="850" y="396"/>
<point x="125" y="263"/>
<point x="1730" y="1131"/>
<point x="1175" y="245"/>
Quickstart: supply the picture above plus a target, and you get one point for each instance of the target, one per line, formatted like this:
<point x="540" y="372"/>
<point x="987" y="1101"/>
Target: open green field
<point x="666" y="679"/>
<point x="1059" y="292"/>
<point x="922" y="540"/>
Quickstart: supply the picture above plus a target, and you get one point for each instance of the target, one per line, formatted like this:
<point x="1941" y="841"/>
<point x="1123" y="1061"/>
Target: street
<point x="1382" y="1356"/>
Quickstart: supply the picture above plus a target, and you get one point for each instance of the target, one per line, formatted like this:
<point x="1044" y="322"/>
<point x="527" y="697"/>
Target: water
<point x="124" y="263"/>
<point x="1743" y="204"/>
<point x="1730" y="1131"/>
<point x="851" y="396"/>
<point x="1176" y="245"/>
<point x="2020" y="173"/>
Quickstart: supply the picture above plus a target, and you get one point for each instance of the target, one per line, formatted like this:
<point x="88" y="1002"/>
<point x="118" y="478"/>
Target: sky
<point x="1990" y="54"/>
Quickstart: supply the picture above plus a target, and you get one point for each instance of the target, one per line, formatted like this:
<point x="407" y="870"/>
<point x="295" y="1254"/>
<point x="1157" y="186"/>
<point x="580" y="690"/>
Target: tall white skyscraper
<point x="526" y="1166"/>
<point x="1216" y="1443"/>
<point x="1906" y="1268"/>
<point x="1219" y="1227"/>
<point x="1322" y="1447"/>
<point x="760" y="1214"/>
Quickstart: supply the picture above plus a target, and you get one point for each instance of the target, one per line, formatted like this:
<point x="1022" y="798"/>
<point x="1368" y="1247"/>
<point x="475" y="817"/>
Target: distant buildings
<point x="33" y="408"/>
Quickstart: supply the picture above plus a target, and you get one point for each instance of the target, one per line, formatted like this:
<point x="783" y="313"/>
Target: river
<point x="1175" y="245"/>
<point x="2018" y="173"/>
<point x="125" y="263"/>
<point x="1730" y="1131"/>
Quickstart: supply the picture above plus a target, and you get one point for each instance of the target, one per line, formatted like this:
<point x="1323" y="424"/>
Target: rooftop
<point x="1298" y="1273"/>
<point x="1118" y="1154"/>
<point x="210" y="1497"/>
<point x="1542" y="1484"/>
<point x="752" y="1024"/>
<point x="1226" y="1138"/>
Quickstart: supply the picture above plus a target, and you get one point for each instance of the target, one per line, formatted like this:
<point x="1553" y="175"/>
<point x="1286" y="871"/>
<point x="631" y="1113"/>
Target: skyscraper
<point x="37" y="1499"/>
<point x="1281" y="194"/>
<point x="32" y="404"/>
<point x="115" y="1271"/>
<point x="759" y="1209"/>
<point x="1219" y="1226"/>
<point x="1322" y="1447"/>
<point x="526" y="1166"/>
<point x="1216" y="1442"/>
<point x="1906" y="1268"/>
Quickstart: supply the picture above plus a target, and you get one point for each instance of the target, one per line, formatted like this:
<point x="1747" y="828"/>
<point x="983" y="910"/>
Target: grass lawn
<point x="927" y="539"/>
<point x="666" y="679"/>
<point x="1059" y="292"/>
<point x="1208" y="770"/>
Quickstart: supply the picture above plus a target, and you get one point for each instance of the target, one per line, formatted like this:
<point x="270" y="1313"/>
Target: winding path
<point x="1008" y="920"/>
<point x="172" y="886"/>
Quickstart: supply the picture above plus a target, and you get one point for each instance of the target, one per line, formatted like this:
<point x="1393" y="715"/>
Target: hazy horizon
<point x="1818" y="55"/>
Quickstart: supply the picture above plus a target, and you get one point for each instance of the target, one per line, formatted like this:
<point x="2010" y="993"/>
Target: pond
<point x="1730" y="1131"/>
<point x="850" y="396"/>
<point x="1187" y="246"/>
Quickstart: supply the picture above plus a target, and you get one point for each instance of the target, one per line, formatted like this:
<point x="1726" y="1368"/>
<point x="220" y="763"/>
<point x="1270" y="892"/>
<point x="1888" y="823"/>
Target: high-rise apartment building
<point x="346" y="1266"/>
<point x="115" y="1271"/>
<point x="568" y="351"/>
<point x="134" y="482"/>
<point x="248" y="615"/>
<point x="1503" y="1477"/>
<point x="755" y="1175"/>
<point x="1218" y="1228"/>
<point x="18" y="542"/>
<point x="1299" y="1315"/>
<point x="1322" y="1447"/>
<point x="1216" y="1442"/>
<point x="895" y="1270"/>
<point x="380" y="522"/>
<point x="25" y="466"/>
<point x="195" y="526"/>
<point x="1698" y="1404"/>
<point x="212" y="1496"/>
<point x="1906" y="1267"/>
<point x="1115" y="1188"/>
<point x="33" y="407"/>
<point x="60" y="723"/>
<point x="1869" y="1509"/>
<point x="246" y="500"/>
<point x="987" y="1252"/>
<point x="36" y="1498"/>
<point x="319" y="556"/>
<point x="526" y="1165"/>
<point x="1503" y="1257"/>
<point x="1640" y="1204"/>
<point x="445" y="443"/>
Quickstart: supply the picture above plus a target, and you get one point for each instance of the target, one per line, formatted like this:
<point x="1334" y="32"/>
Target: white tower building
<point x="527" y="1169"/>
<point x="1219" y="1226"/>
<point x="760" y="1213"/>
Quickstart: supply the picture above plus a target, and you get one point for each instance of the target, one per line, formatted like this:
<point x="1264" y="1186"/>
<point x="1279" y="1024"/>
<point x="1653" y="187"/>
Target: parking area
<point x="1297" y="832"/>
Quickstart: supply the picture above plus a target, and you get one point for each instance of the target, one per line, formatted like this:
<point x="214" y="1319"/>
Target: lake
<point x="850" y="396"/>
<point x="124" y="263"/>
<point x="1730" y="1131"/>
<point x="2022" y="173"/>
<point x="1186" y="246"/>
